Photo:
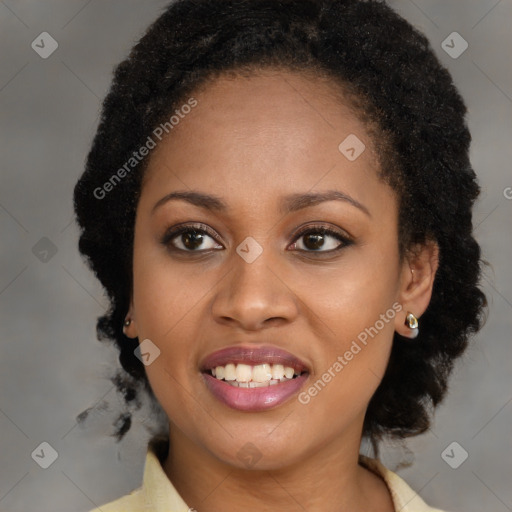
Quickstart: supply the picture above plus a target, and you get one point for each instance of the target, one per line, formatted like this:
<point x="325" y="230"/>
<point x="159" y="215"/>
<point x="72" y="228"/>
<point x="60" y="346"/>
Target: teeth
<point x="229" y="372"/>
<point x="247" y="376"/>
<point x="257" y="384"/>
<point x="277" y="371"/>
<point x="253" y="384"/>
<point x="262" y="373"/>
<point x="243" y="373"/>
<point x="288" y="372"/>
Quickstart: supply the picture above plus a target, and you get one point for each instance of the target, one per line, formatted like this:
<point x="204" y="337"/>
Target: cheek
<point x="167" y="302"/>
<point x="165" y="298"/>
<point x="350" y="295"/>
<point x="161" y="301"/>
<point x="353" y="358"/>
<point x="167" y="306"/>
<point x="356" y="302"/>
<point x="165" y="292"/>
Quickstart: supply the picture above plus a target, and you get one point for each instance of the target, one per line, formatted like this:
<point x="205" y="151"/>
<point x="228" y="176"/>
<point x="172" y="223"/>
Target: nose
<point x="255" y="295"/>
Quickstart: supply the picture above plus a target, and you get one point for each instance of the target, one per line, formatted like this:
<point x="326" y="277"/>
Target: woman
<point x="278" y="202"/>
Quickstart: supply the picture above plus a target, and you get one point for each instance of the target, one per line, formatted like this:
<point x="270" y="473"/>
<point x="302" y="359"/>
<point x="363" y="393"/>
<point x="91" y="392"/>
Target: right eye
<point x="190" y="238"/>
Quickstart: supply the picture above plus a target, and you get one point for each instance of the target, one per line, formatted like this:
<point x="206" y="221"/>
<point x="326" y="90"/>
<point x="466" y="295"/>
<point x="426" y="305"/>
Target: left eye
<point x="317" y="240"/>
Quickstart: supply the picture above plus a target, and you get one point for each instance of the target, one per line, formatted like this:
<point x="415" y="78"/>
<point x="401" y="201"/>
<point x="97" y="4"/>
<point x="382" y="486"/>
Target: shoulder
<point x="157" y="493"/>
<point x="405" y="499"/>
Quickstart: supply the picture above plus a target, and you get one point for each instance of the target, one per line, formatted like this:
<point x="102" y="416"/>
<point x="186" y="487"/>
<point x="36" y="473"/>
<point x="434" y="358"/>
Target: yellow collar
<point x="158" y="494"/>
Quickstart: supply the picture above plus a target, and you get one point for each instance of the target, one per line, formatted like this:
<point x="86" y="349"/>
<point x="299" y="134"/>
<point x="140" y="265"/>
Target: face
<point x="312" y="284"/>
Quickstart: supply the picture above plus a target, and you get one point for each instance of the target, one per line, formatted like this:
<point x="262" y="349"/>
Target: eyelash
<point x="173" y="233"/>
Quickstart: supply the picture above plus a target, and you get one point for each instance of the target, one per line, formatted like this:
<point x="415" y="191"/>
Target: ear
<point x="130" y="330"/>
<point x="416" y="283"/>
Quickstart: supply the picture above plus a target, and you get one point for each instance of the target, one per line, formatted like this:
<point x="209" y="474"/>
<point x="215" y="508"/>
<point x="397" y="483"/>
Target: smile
<point x="254" y="398"/>
<point x="253" y="379"/>
<point x="247" y="376"/>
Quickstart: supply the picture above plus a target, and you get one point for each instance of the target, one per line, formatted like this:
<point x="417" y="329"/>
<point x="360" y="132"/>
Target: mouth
<point x="253" y="378"/>
<point x="247" y="376"/>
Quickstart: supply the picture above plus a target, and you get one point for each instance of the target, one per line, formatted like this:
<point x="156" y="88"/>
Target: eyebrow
<point x="290" y="203"/>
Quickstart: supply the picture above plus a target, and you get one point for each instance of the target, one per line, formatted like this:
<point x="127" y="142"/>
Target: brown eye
<point x="320" y="239"/>
<point x="190" y="239"/>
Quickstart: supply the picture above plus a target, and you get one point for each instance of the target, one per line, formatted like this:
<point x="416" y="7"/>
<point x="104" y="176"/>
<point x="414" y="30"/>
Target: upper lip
<point x="253" y="354"/>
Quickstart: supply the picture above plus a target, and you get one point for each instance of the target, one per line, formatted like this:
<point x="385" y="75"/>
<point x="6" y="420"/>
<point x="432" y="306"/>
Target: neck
<point x="329" y="480"/>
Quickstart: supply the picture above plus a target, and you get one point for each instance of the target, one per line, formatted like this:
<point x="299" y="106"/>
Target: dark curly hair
<point x="412" y="110"/>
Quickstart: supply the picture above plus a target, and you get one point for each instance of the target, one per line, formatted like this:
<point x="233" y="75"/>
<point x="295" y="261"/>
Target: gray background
<point x="51" y="365"/>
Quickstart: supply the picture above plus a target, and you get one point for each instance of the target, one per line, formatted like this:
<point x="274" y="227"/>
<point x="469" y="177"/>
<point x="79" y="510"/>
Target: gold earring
<point x="412" y="323"/>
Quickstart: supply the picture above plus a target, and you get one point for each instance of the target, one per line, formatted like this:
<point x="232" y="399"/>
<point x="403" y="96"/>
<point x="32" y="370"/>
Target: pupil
<point x="316" y="239"/>
<point x="192" y="238"/>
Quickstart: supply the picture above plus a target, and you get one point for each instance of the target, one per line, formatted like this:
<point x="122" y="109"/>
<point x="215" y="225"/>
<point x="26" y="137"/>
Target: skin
<point x="250" y="141"/>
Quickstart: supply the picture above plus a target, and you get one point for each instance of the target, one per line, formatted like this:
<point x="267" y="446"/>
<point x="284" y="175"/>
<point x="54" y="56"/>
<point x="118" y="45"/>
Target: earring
<point x="412" y="322"/>
<point x="126" y="324"/>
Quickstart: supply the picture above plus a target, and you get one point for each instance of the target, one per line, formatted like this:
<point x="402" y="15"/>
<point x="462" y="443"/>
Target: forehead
<point x="269" y="131"/>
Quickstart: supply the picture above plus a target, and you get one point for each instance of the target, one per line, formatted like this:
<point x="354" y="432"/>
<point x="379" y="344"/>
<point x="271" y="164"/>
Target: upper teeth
<point x="260" y="373"/>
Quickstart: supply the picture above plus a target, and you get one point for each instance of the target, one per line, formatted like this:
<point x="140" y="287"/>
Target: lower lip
<point x="253" y="399"/>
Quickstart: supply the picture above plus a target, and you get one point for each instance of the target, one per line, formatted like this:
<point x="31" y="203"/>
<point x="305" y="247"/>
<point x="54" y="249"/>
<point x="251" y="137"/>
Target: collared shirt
<point x="158" y="494"/>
